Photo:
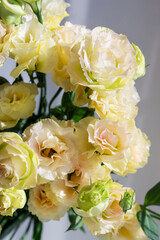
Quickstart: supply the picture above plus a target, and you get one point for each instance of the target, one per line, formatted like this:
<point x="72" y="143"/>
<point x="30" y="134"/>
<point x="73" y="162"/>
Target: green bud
<point x="127" y="201"/>
<point x="140" y="62"/>
<point x="11" y="11"/>
<point x="93" y="199"/>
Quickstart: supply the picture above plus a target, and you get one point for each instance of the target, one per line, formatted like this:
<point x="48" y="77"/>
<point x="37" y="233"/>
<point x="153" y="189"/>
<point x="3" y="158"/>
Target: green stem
<point x="26" y="231"/>
<point x="54" y="97"/>
<point x="43" y="102"/>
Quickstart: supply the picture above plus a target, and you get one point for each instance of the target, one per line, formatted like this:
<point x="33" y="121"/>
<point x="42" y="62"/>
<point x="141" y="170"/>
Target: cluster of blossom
<point x="68" y="165"/>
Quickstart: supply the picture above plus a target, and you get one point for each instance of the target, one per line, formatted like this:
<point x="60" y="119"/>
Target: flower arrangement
<point x="62" y="158"/>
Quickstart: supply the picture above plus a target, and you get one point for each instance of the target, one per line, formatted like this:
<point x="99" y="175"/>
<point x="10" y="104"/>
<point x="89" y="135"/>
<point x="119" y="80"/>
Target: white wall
<point x="140" y="21"/>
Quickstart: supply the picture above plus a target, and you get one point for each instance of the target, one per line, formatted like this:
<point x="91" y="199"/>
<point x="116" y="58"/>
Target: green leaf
<point x="10" y="223"/>
<point x="75" y="220"/>
<point x="148" y="225"/>
<point x="3" y="80"/>
<point x="67" y="100"/>
<point x="37" y="231"/>
<point x="82" y="112"/>
<point x="153" y="196"/>
<point x="58" y="112"/>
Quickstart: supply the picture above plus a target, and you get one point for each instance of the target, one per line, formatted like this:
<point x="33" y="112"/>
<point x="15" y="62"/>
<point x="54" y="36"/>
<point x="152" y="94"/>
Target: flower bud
<point x="127" y="201"/>
<point x="93" y="199"/>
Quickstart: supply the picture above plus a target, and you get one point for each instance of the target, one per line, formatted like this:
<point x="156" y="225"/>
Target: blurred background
<point x="140" y="21"/>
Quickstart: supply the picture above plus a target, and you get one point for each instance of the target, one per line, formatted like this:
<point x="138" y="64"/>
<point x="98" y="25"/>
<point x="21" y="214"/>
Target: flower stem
<point x="54" y="97"/>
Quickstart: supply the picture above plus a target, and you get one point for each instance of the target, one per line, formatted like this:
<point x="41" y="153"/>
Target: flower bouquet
<point x="64" y="159"/>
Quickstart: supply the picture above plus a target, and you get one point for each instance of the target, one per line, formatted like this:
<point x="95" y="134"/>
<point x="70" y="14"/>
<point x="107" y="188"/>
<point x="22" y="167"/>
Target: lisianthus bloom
<point x="56" y="146"/>
<point x="53" y="12"/>
<point x="16" y="101"/>
<point x="10" y="200"/>
<point x="18" y="163"/>
<point x="113" y="216"/>
<point x="129" y="229"/>
<point x="5" y="32"/>
<point x="116" y="104"/>
<point x="66" y="189"/>
<point x="118" y="144"/>
<point x="103" y="60"/>
<point x="32" y="47"/>
<point x="66" y="37"/>
<point x="43" y="203"/>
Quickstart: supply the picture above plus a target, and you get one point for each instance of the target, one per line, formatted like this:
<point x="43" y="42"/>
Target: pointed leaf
<point x="153" y="196"/>
<point x="148" y="225"/>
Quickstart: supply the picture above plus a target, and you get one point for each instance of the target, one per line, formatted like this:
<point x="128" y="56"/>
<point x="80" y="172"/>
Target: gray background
<point x="140" y="21"/>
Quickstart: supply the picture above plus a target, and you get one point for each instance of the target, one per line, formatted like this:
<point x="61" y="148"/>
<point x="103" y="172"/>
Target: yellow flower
<point x="129" y="228"/>
<point x="16" y="101"/>
<point x="66" y="37"/>
<point x="43" y="203"/>
<point x="116" y="104"/>
<point x="103" y="60"/>
<point x="56" y="146"/>
<point x="18" y="163"/>
<point x="10" y="200"/>
<point x="32" y="47"/>
<point x="53" y="12"/>
<point x="119" y="145"/>
<point x="5" y="32"/>
<point x="112" y="217"/>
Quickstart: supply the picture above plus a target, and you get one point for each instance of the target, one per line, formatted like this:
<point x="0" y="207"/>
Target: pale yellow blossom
<point x="116" y="104"/>
<point x="129" y="228"/>
<point x="56" y="146"/>
<point x="18" y="163"/>
<point x="16" y="101"/>
<point x="66" y="37"/>
<point x="10" y="200"/>
<point x="43" y="203"/>
<point x="5" y="32"/>
<point x="103" y="60"/>
<point x="32" y="46"/>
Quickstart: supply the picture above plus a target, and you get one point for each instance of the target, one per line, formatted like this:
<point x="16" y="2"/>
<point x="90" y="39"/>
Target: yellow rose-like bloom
<point x="104" y="60"/>
<point x="18" y="163"/>
<point x="53" y="12"/>
<point x="5" y="32"/>
<point x="116" y="104"/>
<point x="112" y="217"/>
<point x="56" y="146"/>
<point x="66" y="37"/>
<point x="129" y="228"/>
<point x="43" y="203"/>
<point x="32" y="47"/>
<point x="16" y="101"/>
<point x="119" y="144"/>
<point x="10" y="200"/>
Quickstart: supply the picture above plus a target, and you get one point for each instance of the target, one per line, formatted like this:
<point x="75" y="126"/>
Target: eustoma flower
<point x="103" y="60"/>
<point x="32" y="47"/>
<point x="18" y="163"/>
<point x="43" y="203"/>
<point x="16" y="101"/>
<point x="118" y="144"/>
<point x="56" y="146"/>
<point x="10" y="200"/>
<point x="5" y="32"/>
